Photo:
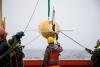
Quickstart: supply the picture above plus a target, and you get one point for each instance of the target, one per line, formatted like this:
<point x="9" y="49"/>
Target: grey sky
<point x="83" y="16"/>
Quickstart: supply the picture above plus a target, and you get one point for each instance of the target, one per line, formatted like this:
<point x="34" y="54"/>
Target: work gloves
<point x="89" y="50"/>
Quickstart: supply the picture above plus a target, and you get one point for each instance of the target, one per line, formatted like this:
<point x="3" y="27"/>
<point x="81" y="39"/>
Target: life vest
<point x="54" y="57"/>
<point x="98" y="47"/>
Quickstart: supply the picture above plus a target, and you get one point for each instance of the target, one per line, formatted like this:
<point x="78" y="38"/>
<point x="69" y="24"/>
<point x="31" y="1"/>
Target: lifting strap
<point x="48" y="9"/>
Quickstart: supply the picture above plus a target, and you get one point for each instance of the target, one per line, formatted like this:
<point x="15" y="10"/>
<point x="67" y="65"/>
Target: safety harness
<point x="10" y="48"/>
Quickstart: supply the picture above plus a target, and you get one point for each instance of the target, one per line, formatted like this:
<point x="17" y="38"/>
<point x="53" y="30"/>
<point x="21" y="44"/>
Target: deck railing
<point x="63" y="63"/>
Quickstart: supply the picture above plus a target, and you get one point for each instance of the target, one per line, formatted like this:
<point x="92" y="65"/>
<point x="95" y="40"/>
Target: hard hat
<point x="51" y="40"/>
<point x="3" y="33"/>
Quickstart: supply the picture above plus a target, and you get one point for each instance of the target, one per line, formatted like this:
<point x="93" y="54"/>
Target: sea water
<point x="38" y="54"/>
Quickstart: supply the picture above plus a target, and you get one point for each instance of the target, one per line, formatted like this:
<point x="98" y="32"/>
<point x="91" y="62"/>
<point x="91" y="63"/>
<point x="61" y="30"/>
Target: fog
<point x="81" y="16"/>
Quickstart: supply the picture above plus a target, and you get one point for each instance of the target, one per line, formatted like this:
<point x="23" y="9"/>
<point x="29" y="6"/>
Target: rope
<point x="53" y="16"/>
<point x="67" y="30"/>
<point x="73" y="40"/>
<point x="32" y="40"/>
<point x="31" y="15"/>
<point x="32" y="30"/>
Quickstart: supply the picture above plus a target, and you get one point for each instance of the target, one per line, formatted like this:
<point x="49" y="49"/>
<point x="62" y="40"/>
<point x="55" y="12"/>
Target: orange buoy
<point x="46" y="28"/>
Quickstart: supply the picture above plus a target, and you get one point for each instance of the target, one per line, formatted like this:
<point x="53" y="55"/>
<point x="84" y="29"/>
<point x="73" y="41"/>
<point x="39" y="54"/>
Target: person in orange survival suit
<point x="52" y="53"/>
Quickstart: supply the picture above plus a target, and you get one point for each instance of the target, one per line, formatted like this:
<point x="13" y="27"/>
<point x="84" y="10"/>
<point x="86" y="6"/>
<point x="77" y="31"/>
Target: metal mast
<point x="2" y="22"/>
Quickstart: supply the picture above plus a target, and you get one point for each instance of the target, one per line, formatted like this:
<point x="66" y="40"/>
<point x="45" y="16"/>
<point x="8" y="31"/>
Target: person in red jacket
<point x="52" y="53"/>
